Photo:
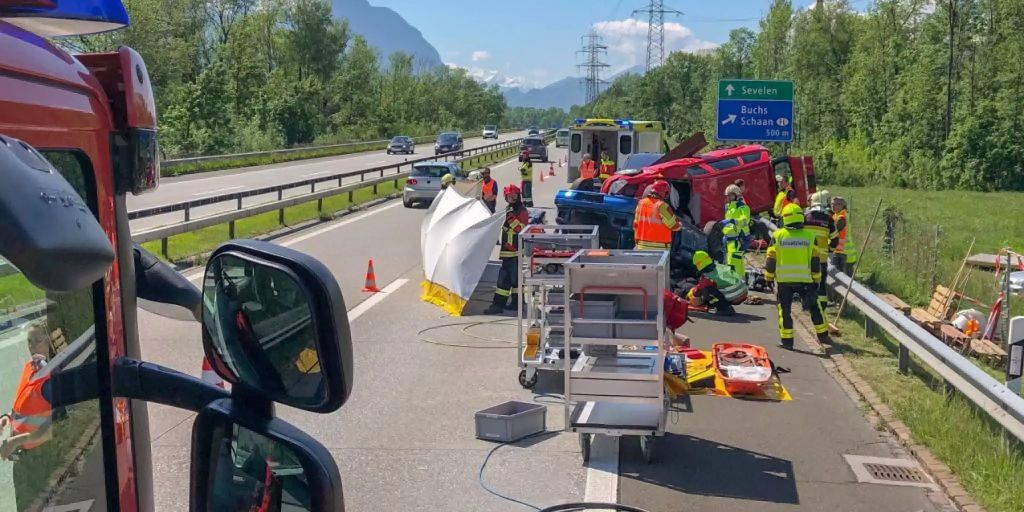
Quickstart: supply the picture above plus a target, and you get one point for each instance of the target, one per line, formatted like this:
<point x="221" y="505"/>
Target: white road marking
<point x="330" y="227"/>
<point x="375" y="299"/>
<point x="81" y="506"/>
<point x="316" y="173"/>
<point x="217" y="191"/>
<point x="603" y="470"/>
<point x="377" y="162"/>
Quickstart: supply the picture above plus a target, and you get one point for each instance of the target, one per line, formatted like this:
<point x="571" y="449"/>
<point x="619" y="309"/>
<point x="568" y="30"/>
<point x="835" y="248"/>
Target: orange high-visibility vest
<point x="490" y="190"/>
<point x="587" y="169"/>
<point x="31" y="411"/>
<point x="648" y="225"/>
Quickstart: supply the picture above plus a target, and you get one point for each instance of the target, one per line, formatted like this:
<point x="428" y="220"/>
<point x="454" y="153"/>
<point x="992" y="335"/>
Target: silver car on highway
<point x="424" y="182"/>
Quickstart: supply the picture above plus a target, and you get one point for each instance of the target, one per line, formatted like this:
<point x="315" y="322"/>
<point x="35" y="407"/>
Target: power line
<point x="593" y="49"/>
<point x="656" y="12"/>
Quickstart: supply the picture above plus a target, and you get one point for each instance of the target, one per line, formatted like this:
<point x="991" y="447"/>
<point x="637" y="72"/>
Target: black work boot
<point x="824" y="338"/>
<point x="786" y="343"/>
<point x="494" y="309"/>
<point x="725" y="310"/>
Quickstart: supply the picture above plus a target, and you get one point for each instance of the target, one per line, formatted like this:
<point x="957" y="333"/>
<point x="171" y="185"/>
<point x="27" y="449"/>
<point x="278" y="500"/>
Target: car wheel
<point x="406" y="203"/>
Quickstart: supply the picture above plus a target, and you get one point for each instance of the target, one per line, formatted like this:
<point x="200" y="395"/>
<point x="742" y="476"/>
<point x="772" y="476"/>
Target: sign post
<point x="755" y="110"/>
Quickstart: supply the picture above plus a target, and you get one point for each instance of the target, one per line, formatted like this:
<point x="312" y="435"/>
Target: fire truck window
<point x="575" y="142"/>
<point x="42" y="334"/>
<point x="724" y="165"/>
<point x="750" y="158"/>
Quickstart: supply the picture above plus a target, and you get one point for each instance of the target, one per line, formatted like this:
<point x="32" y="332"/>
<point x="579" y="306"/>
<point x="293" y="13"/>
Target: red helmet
<point x="512" y="189"/>
<point x="659" y="188"/>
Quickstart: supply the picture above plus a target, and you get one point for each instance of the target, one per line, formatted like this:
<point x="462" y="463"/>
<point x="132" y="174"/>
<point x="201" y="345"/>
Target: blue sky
<point x="534" y="42"/>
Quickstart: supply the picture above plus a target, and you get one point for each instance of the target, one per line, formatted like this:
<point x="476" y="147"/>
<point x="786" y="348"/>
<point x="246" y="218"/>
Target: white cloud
<point x="495" y="77"/>
<point x="627" y="41"/>
<point x="480" y="55"/>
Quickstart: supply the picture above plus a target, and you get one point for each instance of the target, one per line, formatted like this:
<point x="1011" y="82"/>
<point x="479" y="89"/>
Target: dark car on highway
<point x="401" y="144"/>
<point x="448" y="142"/>
<point x="536" y="147"/>
<point x="533" y="130"/>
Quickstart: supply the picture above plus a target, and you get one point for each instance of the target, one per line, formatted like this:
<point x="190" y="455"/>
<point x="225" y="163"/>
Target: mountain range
<point x="388" y="32"/>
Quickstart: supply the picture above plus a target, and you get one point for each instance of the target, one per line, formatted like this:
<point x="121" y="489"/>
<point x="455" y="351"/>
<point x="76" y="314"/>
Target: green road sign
<point x="780" y="90"/>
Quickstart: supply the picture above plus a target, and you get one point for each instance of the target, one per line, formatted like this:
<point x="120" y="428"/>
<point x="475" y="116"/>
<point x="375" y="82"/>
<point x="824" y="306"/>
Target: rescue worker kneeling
<point x="794" y="264"/>
<point x="653" y="220"/>
<point x="506" y="294"/>
<point x="706" y="291"/>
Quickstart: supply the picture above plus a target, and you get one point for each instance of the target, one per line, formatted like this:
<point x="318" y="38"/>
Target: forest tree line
<point x="909" y="93"/>
<point x="248" y="75"/>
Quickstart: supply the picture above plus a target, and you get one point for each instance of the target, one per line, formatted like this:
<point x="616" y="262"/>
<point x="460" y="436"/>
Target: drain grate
<point x="888" y="471"/>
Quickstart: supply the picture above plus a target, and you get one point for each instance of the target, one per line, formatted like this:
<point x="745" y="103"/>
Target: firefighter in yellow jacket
<point x="794" y="264"/>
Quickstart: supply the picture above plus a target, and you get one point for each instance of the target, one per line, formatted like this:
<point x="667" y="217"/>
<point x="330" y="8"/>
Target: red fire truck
<point x="77" y="134"/>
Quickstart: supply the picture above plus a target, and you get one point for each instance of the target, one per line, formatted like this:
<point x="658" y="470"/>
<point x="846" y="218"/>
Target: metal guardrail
<point x="174" y="162"/>
<point x="987" y="393"/>
<point x="371" y="177"/>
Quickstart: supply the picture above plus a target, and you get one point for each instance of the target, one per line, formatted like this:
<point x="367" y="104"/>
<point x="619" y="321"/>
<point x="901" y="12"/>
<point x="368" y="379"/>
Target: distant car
<point x="562" y="138"/>
<point x="536" y="147"/>
<point x="532" y="131"/>
<point x="424" y="182"/>
<point x="401" y="144"/>
<point x="448" y="142"/>
<point x="491" y="132"/>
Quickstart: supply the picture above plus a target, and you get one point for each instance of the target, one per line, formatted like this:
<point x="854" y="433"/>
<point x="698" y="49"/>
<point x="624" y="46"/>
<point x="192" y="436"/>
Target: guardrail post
<point x="231" y="229"/>
<point x="188" y="217"/>
<point x="163" y="248"/>
<point x="904" y="359"/>
<point x="870" y="328"/>
<point x="239" y="204"/>
<point x="320" y="207"/>
<point x="280" y="213"/>
<point x="339" y="182"/>
<point x="350" y="197"/>
<point x="312" y="187"/>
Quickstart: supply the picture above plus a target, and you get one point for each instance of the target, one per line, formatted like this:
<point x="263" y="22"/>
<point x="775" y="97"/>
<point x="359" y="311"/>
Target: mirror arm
<point x="150" y="382"/>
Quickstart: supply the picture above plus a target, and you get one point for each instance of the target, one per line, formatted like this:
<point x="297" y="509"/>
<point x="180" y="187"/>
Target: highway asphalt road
<point x="201" y="185"/>
<point x="405" y="440"/>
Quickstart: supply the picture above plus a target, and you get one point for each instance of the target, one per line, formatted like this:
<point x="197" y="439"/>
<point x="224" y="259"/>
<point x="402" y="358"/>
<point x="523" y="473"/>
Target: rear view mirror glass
<point x="46" y="230"/>
<point x="242" y="463"/>
<point x="271" y="323"/>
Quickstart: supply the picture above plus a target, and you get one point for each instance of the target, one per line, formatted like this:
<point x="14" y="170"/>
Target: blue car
<point x="613" y="216"/>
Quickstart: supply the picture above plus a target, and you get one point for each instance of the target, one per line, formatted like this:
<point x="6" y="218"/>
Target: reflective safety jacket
<point x="793" y="257"/>
<point x="607" y="169"/>
<point x="526" y="171"/>
<point x="739" y="212"/>
<point x="489" y="191"/>
<point x="31" y="411"/>
<point x="588" y="169"/>
<point x="844" y="242"/>
<point x="516" y="218"/>
<point x="818" y="220"/>
<point x="653" y="224"/>
<point x="781" y="201"/>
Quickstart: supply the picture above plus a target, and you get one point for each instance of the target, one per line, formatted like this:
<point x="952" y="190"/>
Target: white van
<point x="562" y="138"/>
<point x="620" y="138"/>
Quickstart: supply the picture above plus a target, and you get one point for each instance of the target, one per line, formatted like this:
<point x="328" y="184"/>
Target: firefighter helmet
<point x="732" y="190"/>
<point x="658" y="189"/>
<point x="792" y="214"/>
<point x="512" y="189"/>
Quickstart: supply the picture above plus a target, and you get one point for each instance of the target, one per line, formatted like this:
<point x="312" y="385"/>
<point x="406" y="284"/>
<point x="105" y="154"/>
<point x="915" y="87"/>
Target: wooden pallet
<point x="955" y="338"/>
<point x="926" y="320"/>
<point x="985" y="349"/>
<point x="895" y="302"/>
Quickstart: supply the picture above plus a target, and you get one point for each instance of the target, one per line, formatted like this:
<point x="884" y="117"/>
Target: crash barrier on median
<point x="177" y="162"/>
<point x="985" y="392"/>
<point x="368" y="178"/>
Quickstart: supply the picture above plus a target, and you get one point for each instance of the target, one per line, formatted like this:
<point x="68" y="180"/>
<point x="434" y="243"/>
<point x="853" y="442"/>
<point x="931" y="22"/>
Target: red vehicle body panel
<point x="710" y="173"/>
<point x="52" y="101"/>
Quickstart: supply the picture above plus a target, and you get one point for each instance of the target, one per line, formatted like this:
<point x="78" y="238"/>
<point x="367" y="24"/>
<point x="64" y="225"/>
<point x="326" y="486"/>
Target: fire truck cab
<point x="78" y="133"/>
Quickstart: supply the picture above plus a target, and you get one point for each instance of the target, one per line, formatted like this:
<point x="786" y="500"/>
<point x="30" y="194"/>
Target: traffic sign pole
<point x="755" y="110"/>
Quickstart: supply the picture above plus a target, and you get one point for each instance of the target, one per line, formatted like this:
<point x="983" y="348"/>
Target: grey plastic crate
<point x="510" y="421"/>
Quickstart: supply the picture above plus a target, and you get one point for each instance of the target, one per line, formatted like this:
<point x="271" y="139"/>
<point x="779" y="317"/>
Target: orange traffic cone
<point x="371" y="279"/>
<point x="551" y="169"/>
<point x="210" y="376"/>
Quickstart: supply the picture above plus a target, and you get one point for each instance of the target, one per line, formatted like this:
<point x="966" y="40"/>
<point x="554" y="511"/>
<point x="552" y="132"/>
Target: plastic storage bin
<point x="595" y="306"/>
<point x="510" y="421"/>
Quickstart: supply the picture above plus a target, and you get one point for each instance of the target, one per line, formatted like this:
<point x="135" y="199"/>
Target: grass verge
<point x="988" y="466"/>
<point x="185" y="245"/>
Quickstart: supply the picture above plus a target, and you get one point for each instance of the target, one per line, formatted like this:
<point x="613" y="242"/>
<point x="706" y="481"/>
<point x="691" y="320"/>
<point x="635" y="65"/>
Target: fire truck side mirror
<point x="244" y="461"/>
<point x="275" y="325"/>
<point x="47" y="231"/>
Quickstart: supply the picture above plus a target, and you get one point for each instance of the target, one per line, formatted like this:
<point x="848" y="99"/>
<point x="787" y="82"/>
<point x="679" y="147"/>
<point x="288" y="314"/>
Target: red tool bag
<point x="676" y="310"/>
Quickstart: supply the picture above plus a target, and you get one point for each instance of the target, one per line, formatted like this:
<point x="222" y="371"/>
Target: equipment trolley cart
<point x="616" y="313"/>
<point x="544" y="249"/>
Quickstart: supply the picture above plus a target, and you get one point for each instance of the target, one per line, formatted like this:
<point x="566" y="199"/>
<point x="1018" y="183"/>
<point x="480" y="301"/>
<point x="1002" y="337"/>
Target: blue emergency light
<point x="69" y="18"/>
